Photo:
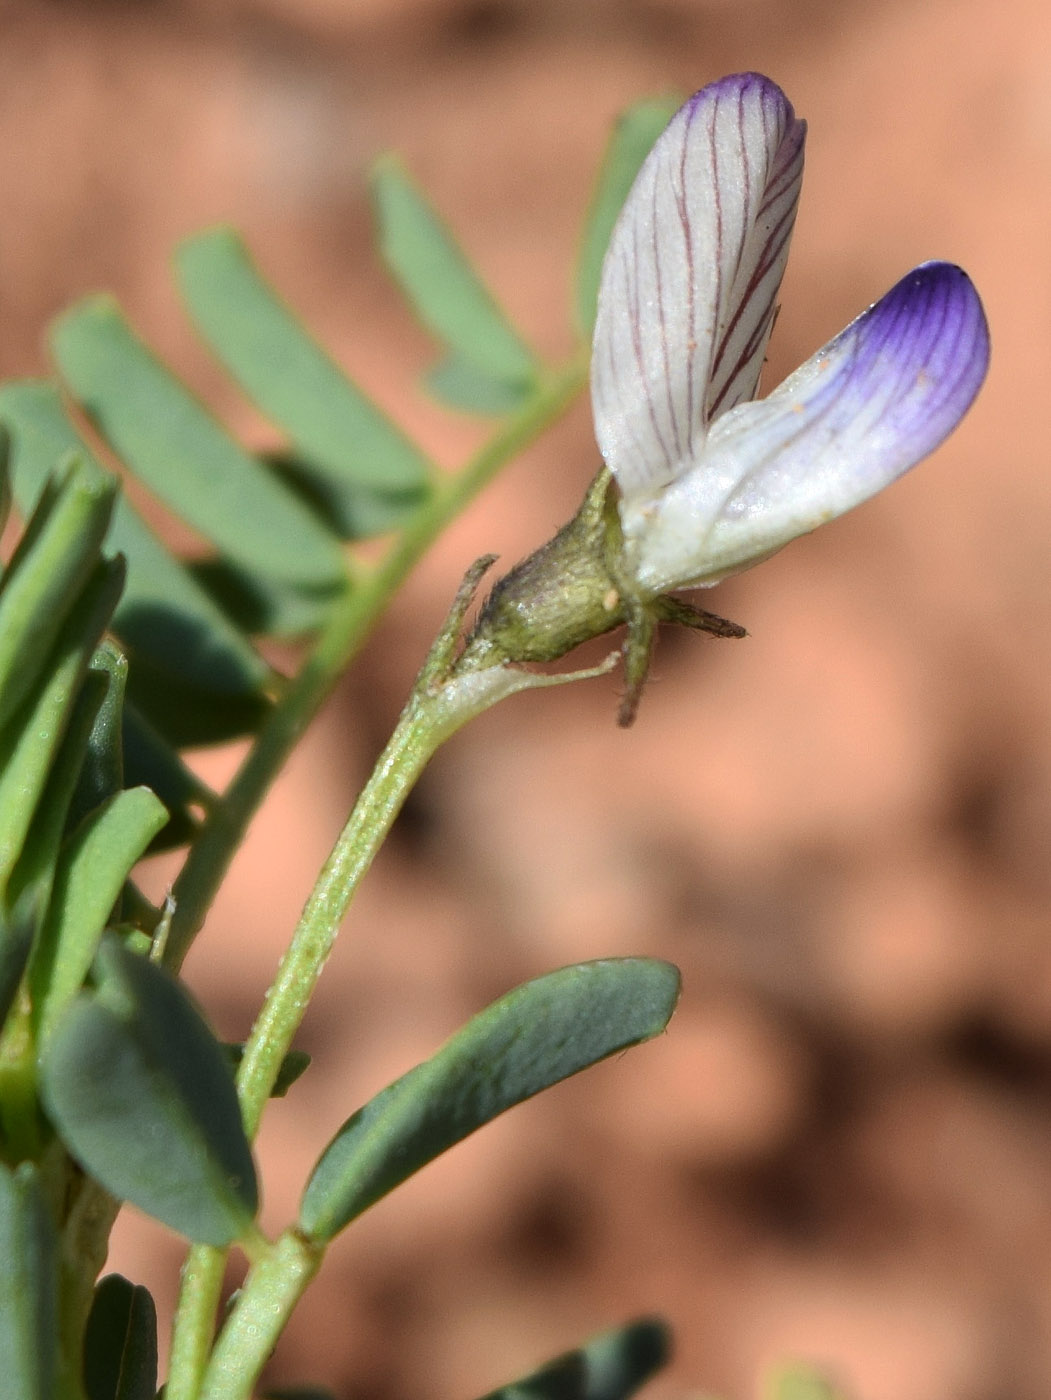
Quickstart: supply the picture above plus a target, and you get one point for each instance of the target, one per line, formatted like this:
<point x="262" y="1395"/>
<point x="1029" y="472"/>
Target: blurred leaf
<point x="458" y="383"/>
<point x="255" y="604"/>
<point x="163" y="613"/>
<point x="29" y="1360"/>
<point x="180" y="451"/>
<point x="441" y="285"/>
<point x="293" y="1064"/>
<point x="633" y="136"/>
<point x="340" y="433"/>
<point x="5" y="479"/>
<point x="94" y="864"/>
<point x="120" y="1343"/>
<point x="46" y="576"/>
<point x="353" y="512"/>
<point x="528" y="1040"/>
<point x="36" y="862"/>
<point x="18" y="927"/>
<point x="186" y="714"/>
<point x="799" y="1381"/>
<point x="141" y="1092"/>
<point x="29" y="743"/>
<point x="101" y="771"/>
<point x="610" y="1367"/>
<point x="149" y="761"/>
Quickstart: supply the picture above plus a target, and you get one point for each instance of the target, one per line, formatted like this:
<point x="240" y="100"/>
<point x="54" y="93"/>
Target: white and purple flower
<point x="711" y="480"/>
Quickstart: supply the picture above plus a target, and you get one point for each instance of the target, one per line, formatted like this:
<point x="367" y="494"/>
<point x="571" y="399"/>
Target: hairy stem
<point x="192" y="1333"/>
<point x="263" y="1307"/>
<point x="403" y="760"/>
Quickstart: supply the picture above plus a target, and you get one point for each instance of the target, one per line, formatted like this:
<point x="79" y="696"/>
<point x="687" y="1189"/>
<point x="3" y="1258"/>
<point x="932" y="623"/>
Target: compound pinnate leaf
<point x="633" y="136"/>
<point x="141" y="1092"/>
<point x="441" y="285"/>
<point x="336" y="428"/>
<point x="29" y="1360"/>
<point x="535" y="1036"/>
<point x="609" y="1367"/>
<point x="179" y="450"/>
<point x="120" y="1343"/>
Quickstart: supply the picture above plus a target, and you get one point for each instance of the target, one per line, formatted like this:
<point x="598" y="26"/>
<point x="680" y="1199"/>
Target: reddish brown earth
<point x="838" y="828"/>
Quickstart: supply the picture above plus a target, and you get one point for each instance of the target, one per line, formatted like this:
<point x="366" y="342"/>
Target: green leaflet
<point x="256" y="604"/>
<point x="92" y="868"/>
<point x="5" y="479"/>
<point x="29" y="743"/>
<point x="357" y="461"/>
<point x="18" y="927"/>
<point x="634" y="134"/>
<point x="443" y="288"/>
<point x="460" y="384"/>
<point x="188" y="715"/>
<point x="101" y="771"/>
<point x="141" y="1092"/>
<point x="164" y="614"/>
<point x="180" y="451"/>
<point x="609" y="1367"/>
<point x="29" y="1361"/>
<point x="33" y="875"/>
<point x="150" y="761"/>
<point x="51" y="564"/>
<point x="528" y="1040"/>
<point x="120" y="1343"/>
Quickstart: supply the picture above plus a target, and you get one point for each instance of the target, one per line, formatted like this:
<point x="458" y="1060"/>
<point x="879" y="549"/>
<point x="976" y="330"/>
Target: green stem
<point x="263" y="1307"/>
<point x="404" y="758"/>
<point x="243" y="1346"/>
<point x="201" y="1285"/>
<point x="348" y="627"/>
<point x="446" y="695"/>
<point x="286" y="1001"/>
<point x="413" y="742"/>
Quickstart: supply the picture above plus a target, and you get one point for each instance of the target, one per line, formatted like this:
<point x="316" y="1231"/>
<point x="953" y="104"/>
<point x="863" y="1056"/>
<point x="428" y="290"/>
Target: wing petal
<point x="689" y="284"/>
<point x="863" y="410"/>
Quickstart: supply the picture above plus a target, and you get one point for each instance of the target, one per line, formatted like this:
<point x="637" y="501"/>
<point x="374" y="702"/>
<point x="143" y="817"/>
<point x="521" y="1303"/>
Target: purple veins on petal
<point x="863" y="410"/>
<point x="691" y="277"/>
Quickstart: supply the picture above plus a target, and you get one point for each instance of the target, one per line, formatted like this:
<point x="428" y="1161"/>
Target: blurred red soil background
<point x="839" y="828"/>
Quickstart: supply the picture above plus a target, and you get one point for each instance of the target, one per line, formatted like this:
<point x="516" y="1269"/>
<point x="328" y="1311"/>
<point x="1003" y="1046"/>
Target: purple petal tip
<point x="931" y="323"/>
<point x="745" y="87"/>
